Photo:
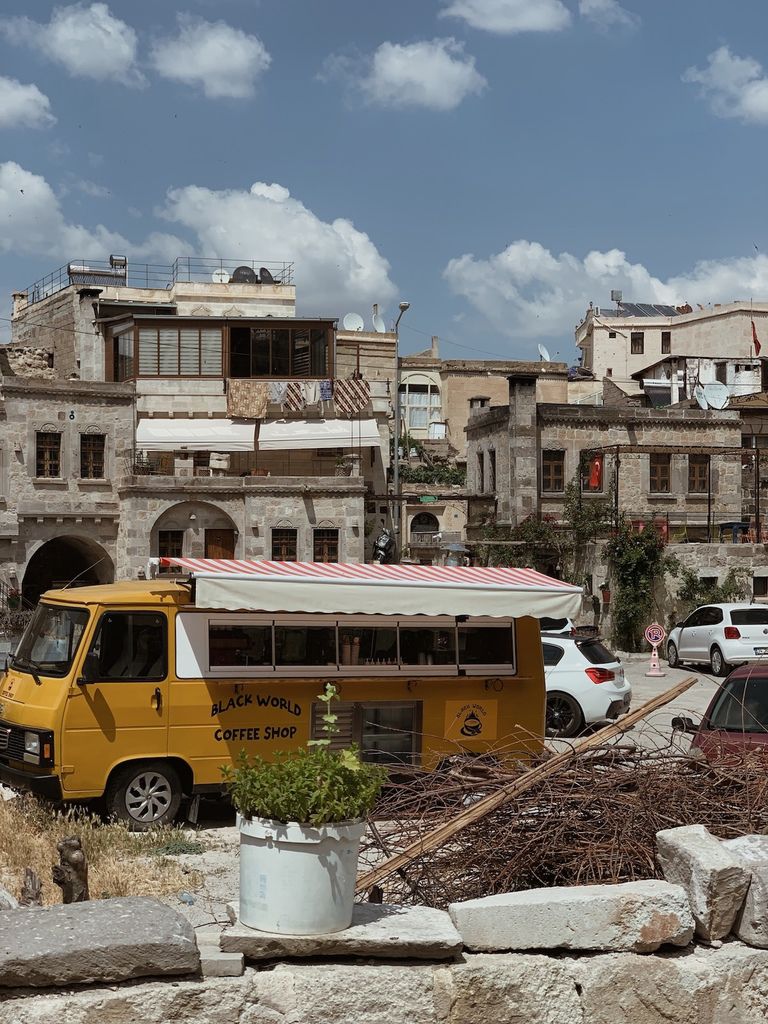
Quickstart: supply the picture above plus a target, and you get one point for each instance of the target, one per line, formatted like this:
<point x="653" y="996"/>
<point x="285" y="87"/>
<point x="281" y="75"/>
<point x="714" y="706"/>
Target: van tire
<point x="144" y="794"/>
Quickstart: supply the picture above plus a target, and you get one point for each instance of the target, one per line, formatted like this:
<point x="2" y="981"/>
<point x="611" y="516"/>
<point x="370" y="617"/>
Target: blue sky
<point x="497" y="163"/>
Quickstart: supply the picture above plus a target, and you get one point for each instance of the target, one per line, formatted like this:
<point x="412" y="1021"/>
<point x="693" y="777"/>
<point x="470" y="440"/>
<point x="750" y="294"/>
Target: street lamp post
<point x="396" y="475"/>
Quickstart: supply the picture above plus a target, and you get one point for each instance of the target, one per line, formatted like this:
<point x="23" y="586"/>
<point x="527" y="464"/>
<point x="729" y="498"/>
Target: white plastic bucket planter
<point x="295" y="879"/>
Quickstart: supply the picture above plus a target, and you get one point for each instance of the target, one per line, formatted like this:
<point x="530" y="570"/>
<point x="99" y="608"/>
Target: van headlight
<point x="32" y="743"/>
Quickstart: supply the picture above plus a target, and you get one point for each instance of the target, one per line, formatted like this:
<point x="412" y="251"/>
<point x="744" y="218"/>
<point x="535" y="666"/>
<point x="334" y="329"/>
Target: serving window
<point x="367" y="645"/>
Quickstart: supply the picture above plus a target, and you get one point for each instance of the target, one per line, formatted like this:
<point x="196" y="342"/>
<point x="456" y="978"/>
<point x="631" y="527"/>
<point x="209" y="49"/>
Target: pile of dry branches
<point x="594" y="821"/>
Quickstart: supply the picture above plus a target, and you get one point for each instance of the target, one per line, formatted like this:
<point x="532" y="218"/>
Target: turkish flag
<point x="755" y="342"/>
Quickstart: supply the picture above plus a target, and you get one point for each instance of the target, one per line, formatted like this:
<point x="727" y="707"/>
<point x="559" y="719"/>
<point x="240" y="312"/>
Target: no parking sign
<point x="655" y="634"/>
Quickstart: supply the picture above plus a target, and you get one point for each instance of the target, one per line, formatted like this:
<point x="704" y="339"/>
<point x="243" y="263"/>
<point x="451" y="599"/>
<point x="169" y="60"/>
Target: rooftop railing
<point x="120" y="272"/>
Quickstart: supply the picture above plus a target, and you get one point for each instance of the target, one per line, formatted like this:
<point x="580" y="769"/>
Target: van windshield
<point x="51" y="640"/>
<point x="742" y="706"/>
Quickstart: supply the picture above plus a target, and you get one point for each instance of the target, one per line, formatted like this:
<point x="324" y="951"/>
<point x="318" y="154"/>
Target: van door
<point x="119" y="710"/>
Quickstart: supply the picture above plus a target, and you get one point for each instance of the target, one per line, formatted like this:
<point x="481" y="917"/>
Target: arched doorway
<point x="424" y="525"/>
<point x="194" y="529"/>
<point x="66" y="561"/>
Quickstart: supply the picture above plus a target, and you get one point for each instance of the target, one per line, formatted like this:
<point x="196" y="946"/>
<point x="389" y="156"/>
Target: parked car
<point x="737" y="717"/>
<point x="585" y="684"/>
<point x="722" y="635"/>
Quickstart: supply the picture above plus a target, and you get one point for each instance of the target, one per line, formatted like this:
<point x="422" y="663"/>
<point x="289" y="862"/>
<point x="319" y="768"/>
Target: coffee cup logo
<point x="472" y="725"/>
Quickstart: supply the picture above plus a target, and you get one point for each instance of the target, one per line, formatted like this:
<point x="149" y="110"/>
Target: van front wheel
<point x="144" y="794"/>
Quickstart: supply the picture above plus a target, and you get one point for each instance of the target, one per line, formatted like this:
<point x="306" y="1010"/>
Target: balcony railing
<point x="118" y="273"/>
<point x="434" y="540"/>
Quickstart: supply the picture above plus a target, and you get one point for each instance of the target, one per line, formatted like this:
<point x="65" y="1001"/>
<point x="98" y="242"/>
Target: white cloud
<point x="92" y="189"/>
<point x="337" y="266"/>
<point x="87" y="40"/>
<point x="34" y="225"/>
<point x="608" y="14"/>
<point x="224" y="61"/>
<point x="434" y="74"/>
<point x="735" y="86"/>
<point x="23" y="106"/>
<point x="526" y="291"/>
<point x="506" y="17"/>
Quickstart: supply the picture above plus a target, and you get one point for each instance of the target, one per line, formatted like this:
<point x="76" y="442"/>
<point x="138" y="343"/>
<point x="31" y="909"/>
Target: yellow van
<point x="140" y="692"/>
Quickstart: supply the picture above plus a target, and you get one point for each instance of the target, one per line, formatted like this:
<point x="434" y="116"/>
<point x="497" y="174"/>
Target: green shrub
<point x="313" y="785"/>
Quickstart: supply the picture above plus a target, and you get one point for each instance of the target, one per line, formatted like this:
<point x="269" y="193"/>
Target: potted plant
<point x="301" y="818"/>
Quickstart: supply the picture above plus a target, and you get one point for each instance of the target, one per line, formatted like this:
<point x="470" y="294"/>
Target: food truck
<point x="140" y="692"/>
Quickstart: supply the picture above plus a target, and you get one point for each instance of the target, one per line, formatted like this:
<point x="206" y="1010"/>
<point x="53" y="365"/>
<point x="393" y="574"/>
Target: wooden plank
<point x="445" y="832"/>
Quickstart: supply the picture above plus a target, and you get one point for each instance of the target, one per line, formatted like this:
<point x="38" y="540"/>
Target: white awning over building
<point x="286" y="435"/>
<point x="165" y="435"/>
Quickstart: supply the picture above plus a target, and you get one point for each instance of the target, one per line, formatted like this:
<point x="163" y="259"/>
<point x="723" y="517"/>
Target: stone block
<point x="103" y="940"/>
<point x="633" y="916"/>
<point x="751" y="924"/>
<point x="714" y="878"/>
<point x="215" y="964"/>
<point x="377" y="930"/>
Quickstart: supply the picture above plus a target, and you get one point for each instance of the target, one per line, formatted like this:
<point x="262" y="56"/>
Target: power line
<point x="458" y="344"/>
<point x="48" y="327"/>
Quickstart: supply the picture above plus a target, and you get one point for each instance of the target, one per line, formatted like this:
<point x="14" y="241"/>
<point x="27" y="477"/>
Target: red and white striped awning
<point x="346" y="588"/>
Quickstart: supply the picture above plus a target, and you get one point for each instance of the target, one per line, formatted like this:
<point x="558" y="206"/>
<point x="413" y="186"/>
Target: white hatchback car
<point x="585" y="684"/>
<point x="721" y="635"/>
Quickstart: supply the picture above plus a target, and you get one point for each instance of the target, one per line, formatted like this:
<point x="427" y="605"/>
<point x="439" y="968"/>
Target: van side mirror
<point x="90" y="669"/>
<point x="682" y="723"/>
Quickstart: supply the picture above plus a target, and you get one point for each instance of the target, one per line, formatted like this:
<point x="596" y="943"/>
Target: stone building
<point x="227" y="425"/>
<point x="620" y="342"/>
<point x="681" y="468"/>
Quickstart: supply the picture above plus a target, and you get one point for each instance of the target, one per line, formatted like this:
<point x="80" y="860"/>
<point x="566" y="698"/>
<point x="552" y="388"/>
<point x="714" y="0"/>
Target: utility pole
<point x="396" y="475"/>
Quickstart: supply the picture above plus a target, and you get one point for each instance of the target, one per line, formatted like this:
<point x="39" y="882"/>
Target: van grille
<point x="5" y="733"/>
<point x="12" y="742"/>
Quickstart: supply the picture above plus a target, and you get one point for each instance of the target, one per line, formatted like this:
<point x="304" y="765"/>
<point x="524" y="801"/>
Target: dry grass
<point x="121" y="863"/>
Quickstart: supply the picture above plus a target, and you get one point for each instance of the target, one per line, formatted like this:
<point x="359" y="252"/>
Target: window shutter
<point x="210" y="351"/>
<point x="189" y="352"/>
<point x="345" y="713"/>
<point x="148" y="352"/>
<point x="169" y="351"/>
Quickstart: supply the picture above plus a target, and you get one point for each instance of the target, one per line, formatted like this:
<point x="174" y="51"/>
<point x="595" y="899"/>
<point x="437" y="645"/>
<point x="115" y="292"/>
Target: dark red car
<point x="737" y="717"/>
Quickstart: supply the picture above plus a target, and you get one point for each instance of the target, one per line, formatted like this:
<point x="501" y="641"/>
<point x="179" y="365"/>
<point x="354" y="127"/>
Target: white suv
<point x="722" y="635"/>
<point x="585" y="684"/>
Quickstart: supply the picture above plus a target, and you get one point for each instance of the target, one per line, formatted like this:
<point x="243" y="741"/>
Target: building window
<point x="592" y="476"/>
<point x="284" y="545"/>
<point x="659" y="474"/>
<point x="666" y="343"/>
<point x="177" y="352"/>
<point x="478" y="403"/>
<point x="325" y="546"/>
<point x="698" y="474"/>
<point x="492" y="470"/>
<point x="481" y="473"/>
<point x="278" y="352"/>
<point x="760" y="586"/>
<point x="48" y="463"/>
<point x="92" y="448"/>
<point x="170" y="544"/>
<point x="637" y="343"/>
<point x="609" y="371"/>
<point x="553" y="471"/>
<point x="611" y="334"/>
<point x="421" y="405"/>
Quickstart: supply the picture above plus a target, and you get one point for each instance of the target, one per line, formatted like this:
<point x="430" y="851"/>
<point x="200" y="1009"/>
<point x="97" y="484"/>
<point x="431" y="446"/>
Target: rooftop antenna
<point x="378" y="321"/>
<point x="701" y="398"/>
<point x="717" y="395"/>
<point x="617" y="296"/>
<point x="220" y="277"/>
<point x="544" y="353"/>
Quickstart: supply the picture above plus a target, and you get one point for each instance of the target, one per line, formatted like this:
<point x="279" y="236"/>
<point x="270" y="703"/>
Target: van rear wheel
<point x="144" y="794"/>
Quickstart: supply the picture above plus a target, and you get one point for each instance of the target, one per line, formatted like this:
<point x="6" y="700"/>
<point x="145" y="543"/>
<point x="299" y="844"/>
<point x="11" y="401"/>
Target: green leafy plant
<point x="314" y="785"/>
<point x="693" y="591"/>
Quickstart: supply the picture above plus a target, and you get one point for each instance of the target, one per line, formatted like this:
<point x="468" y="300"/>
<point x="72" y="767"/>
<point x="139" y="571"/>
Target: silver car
<point x="722" y="635"/>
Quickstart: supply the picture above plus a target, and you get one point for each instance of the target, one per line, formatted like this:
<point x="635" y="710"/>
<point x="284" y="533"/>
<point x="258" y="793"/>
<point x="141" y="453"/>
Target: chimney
<point x="20" y="301"/>
<point x="433" y="349"/>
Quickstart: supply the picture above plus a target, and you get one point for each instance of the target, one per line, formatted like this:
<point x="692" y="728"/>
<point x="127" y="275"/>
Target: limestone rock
<point x="714" y="879"/>
<point x="7" y="900"/>
<point x="752" y="921"/>
<point x="513" y="987"/>
<point x="636" y="916"/>
<point x="103" y="940"/>
<point x="377" y="930"/>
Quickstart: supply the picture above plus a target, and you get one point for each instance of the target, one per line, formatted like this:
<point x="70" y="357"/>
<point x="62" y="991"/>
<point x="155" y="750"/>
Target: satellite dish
<point x="266" y="276"/>
<point x="378" y="324"/>
<point x="244" y="275"/>
<point x="353" y="322"/>
<point x="701" y="398"/>
<point x="716" y="395"/>
<point x="544" y="353"/>
<point x="220" y="277"/>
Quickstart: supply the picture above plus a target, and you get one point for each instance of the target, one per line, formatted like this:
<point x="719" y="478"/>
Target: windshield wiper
<point x="24" y="663"/>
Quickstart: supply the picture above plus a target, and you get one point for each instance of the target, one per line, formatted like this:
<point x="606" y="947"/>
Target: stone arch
<point x="425" y="522"/>
<point x="69" y="560"/>
<point x="188" y="527"/>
